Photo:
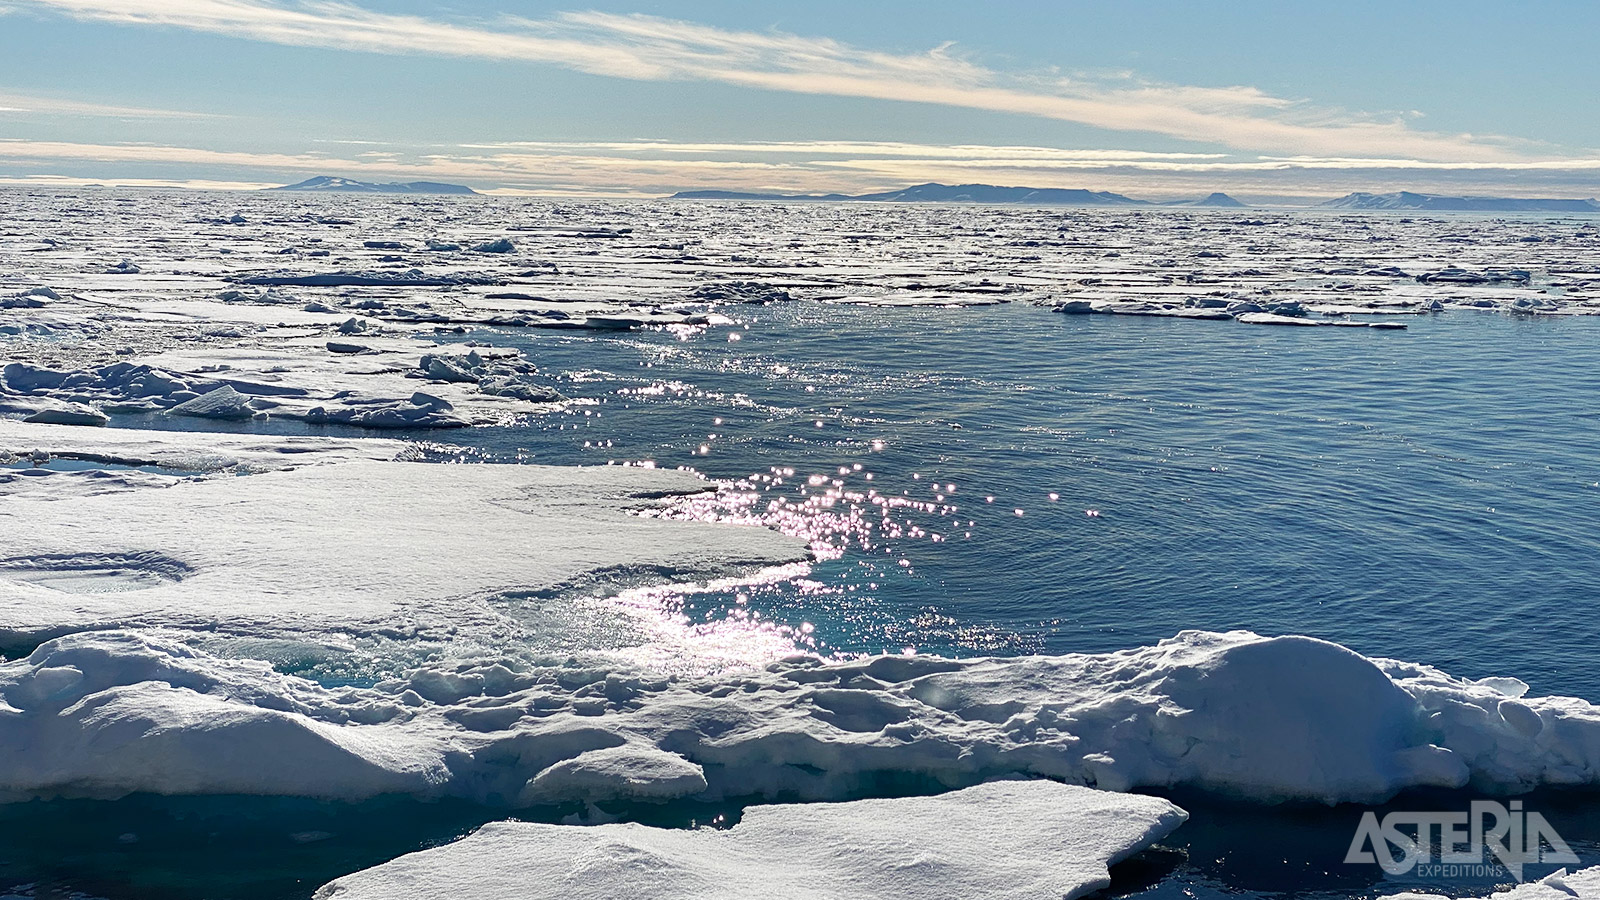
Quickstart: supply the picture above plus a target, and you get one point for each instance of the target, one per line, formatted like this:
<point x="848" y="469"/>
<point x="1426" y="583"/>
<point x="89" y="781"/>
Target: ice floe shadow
<point x="55" y="464"/>
<point x="95" y="573"/>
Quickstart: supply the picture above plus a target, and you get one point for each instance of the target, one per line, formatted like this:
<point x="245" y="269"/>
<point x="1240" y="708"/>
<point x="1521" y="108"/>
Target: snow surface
<point x="111" y="712"/>
<point x="1012" y="840"/>
<point x="356" y="546"/>
<point x="190" y="451"/>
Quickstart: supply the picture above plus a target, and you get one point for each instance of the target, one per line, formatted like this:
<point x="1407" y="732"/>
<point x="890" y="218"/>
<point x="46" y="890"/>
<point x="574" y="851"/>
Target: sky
<point x="1155" y="99"/>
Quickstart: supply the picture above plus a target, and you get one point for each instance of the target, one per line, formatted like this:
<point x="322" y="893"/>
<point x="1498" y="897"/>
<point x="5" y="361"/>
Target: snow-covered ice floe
<point x="1005" y="841"/>
<point x="191" y="451"/>
<point x="356" y="546"/>
<point x="111" y="712"/>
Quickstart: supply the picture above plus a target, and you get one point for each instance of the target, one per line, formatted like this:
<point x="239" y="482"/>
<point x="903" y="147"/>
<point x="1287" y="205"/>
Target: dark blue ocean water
<point x="1430" y="494"/>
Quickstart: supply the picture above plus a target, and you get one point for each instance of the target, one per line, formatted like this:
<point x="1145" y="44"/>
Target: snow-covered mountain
<point x="1409" y="200"/>
<point x="968" y="193"/>
<point x="350" y="186"/>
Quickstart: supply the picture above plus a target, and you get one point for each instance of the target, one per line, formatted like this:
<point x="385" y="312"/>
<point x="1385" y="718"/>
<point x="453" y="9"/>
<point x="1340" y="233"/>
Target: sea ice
<point x="359" y="546"/>
<point x="373" y="384"/>
<point x="221" y="403"/>
<point x="408" y="278"/>
<point x="1268" y="719"/>
<point x="190" y="451"/>
<point x="362" y="544"/>
<point x="499" y="245"/>
<point x="150" y="585"/>
<point x="1009" y="840"/>
<point x="58" y="413"/>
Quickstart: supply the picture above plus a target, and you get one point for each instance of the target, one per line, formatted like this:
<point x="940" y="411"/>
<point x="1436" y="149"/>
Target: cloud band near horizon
<point x="653" y="168"/>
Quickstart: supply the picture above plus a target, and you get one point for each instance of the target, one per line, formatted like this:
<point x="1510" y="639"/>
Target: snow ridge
<point x="1284" y="718"/>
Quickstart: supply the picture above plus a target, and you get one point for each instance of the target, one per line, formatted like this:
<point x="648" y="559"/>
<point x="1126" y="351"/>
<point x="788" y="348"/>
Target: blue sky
<point x="1159" y="99"/>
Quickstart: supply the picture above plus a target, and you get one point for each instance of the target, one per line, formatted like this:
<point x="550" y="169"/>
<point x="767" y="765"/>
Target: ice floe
<point x="1013" y="840"/>
<point x="189" y="451"/>
<point x="54" y="412"/>
<point x="361" y="544"/>
<point x="408" y="278"/>
<point x="1270" y="719"/>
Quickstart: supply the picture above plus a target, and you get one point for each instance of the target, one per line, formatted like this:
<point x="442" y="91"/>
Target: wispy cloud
<point x="655" y="49"/>
<point x="63" y="106"/>
<point x="841" y="148"/>
<point x="188" y="184"/>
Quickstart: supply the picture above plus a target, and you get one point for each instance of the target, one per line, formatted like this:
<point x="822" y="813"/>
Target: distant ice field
<point x="1431" y="495"/>
<point x="974" y="478"/>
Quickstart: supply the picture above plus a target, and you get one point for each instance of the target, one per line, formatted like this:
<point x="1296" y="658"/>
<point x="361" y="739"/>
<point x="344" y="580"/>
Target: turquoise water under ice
<point x="1430" y="494"/>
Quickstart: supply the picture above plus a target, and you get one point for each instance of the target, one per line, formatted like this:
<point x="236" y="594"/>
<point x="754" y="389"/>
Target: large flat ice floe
<point x="358" y="545"/>
<point x="106" y="713"/>
<point x="1030" y="840"/>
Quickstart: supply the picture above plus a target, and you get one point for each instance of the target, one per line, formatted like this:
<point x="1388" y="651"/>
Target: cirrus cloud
<point x="649" y="48"/>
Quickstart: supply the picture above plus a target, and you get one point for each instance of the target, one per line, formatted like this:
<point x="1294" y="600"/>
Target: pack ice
<point x="1032" y="840"/>
<point x="156" y="598"/>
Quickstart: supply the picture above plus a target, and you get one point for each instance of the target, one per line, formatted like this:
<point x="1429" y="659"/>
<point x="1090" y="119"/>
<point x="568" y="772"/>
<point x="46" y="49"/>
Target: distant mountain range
<point x="970" y="193"/>
<point x="1435" y="202"/>
<point x="1017" y="196"/>
<point x="328" y="183"/>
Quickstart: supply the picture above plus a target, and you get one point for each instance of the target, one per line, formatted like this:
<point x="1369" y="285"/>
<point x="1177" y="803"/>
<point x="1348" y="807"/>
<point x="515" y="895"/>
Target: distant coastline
<point x="332" y="184"/>
<point x="989" y="194"/>
<point x="995" y="194"/>
<point x="970" y="193"/>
